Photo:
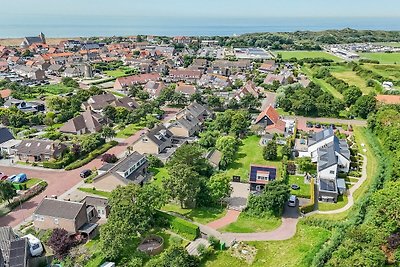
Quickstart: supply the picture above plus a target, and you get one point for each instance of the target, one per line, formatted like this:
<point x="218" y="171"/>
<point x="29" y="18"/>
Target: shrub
<point x="180" y="226"/>
<point x="109" y="158"/>
<point x="214" y="241"/>
<point x="154" y="162"/>
<point x="60" y="242"/>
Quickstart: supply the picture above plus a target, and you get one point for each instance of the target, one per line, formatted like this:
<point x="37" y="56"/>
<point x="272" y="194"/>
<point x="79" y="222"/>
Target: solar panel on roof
<point x="18" y="253"/>
<point x="327" y="185"/>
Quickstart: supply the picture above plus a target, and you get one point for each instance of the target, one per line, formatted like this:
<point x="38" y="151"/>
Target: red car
<point x="3" y="176"/>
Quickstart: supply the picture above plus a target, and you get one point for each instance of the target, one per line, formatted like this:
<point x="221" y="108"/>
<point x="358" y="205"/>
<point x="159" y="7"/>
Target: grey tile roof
<point x="59" y="208"/>
<point x="196" y="109"/>
<point x="40" y="147"/>
<point x="319" y="136"/>
<point x="128" y="162"/>
<point x="96" y="201"/>
<point x="327" y="185"/>
<point x="159" y="134"/>
<point x="326" y="157"/>
<point x="5" y="135"/>
<point x="13" y="250"/>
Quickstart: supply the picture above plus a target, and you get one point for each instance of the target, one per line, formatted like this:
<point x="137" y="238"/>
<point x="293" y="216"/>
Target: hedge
<point x="180" y="226"/>
<point x="91" y="156"/>
<point x="310" y="207"/>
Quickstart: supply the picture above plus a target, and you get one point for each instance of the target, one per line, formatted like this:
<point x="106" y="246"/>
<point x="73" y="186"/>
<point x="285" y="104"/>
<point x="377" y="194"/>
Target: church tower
<point x="42" y="37"/>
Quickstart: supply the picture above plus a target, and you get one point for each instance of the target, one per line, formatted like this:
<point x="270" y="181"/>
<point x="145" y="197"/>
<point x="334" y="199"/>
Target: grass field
<point x="296" y="252"/>
<point x="346" y="74"/>
<point x="121" y="72"/>
<point x="200" y="215"/>
<point x="392" y="44"/>
<point x="325" y="206"/>
<point x="129" y="130"/>
<point x="383" y="58"/>
<point x="324" y="85"/>
<point x="250" y="224"/>
<point x="306" y="54"/>
<point x="386" y="71"/>
<point x="250" y="152"/>
<point x="159" y="174"/>
<point x="31" y="182"/>
<point x="304" y="190"/>
<point x="95" y="192"/>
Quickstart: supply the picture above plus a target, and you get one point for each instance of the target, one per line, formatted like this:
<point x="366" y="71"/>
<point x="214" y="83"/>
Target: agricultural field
<point x="346" y="74"/>
<point x="389" y="71"/>
<point x="306" y="54"/>
<point x="383" y="58"/>
<point x="324" y="85"/>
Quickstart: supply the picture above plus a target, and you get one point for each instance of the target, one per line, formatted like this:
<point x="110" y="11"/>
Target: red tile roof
<point x="5" y="93"/>
<point x="271" y="113"/>
<point x="388" y="99"/>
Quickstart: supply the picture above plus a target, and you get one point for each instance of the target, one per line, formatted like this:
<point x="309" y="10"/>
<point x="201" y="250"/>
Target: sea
<point x="94" y="25"/>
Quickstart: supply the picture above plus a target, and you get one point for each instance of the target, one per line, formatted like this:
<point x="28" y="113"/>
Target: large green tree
<point x="7" y="191"/>
<point x="219" y="187"/>
<point x="270" y="151"/>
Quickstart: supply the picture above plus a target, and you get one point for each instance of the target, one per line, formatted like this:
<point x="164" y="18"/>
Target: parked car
<point x="19" y="178"/>
<point x="317" y="125"/>
<point x="85" y="173"/>
<point x="3" y="176"/>
<point x="309" y="125"/>
<point x="292" y="201"/>
<point x="295" y="187"/>
<point x="35" y="246"/>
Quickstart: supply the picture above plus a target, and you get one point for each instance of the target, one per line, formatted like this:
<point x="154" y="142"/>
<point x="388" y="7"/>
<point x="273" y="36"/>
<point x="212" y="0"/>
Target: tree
<point x="110" y="112"/>
<point x="191" y="155"/>
<point x="154" y="162"/>
<point x="240" y="123"/>
<point x="109" y="158"/>
<point x="7" y="191"/>
<point x="182" y="184"/>
<point x="365" y="105"/>
<point x="351" y="95"/>
<point x="133" y="211"/>
<point x="286" y="151"/>
<point x="108" y="133"/>
<point x="305" y="164"/>
<point x="219" y="187"/>
<point x="69" y="82"/>
<point x="250" y="102"/>
<point x="228" y="147"/>
<point x="270" y="151"/>
<point x="60" y="242"/>
<point x="271" y="200"/>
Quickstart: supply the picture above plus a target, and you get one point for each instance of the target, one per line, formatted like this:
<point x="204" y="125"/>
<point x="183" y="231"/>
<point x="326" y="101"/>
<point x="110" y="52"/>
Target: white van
<point x="35" y="246"/>
<point x="292" y="201"/>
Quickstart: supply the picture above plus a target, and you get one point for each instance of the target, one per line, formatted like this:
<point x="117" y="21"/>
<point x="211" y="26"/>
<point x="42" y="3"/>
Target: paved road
<point x="350" y="201"/>
<point x="269" y="100"/>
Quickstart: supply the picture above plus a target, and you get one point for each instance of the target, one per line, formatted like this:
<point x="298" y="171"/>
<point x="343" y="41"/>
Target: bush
<point x="92" y="155"/>
<point x="109" y="158"/>
<point x="180" y="226"/>
<point x="214" y="242"/>
<point x="154" y="162"/>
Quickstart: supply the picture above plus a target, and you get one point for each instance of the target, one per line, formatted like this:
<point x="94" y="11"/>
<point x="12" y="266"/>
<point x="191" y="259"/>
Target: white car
<point x="292" y="201"/>
<point x="35" y="246"/>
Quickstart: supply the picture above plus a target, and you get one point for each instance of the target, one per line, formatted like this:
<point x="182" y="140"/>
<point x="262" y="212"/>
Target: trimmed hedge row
<point x="310" y="207"/>
<point x="91" y="156"/>
<point x="180" y="226"/>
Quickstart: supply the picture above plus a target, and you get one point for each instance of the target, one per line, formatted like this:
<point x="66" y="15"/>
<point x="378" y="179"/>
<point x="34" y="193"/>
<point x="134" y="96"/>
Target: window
<point x="332" y="172"/>
<point x="56" y="221"/>
<point x="39" y="218"/>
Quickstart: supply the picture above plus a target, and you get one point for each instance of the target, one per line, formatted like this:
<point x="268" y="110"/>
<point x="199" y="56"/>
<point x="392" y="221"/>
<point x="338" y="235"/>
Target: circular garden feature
<point x="152" y="245"/>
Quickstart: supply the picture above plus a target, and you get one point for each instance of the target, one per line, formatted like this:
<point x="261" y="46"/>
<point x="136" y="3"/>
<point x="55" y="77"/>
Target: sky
<point x="203" y="8"/>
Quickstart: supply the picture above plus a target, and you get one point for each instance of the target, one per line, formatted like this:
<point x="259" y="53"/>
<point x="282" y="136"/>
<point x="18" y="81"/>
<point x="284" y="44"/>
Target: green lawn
<point x="383" y="58"/>
<point x="250" y="224"/>
<point x="324" y="85"/>
<point x="250" y="152"/>
<point x="325" y="206"/>
<point x="95" y="192"/>
<point x="385" y="70"/>
<point x="306" y="54"/>
<point x="346" y="74"/>
<point x="129" y="130"/>
<point x="31" y="182"/>
<point x="200" y="215"/>
<point x="121" y="72"/>
<point x="296" y="252"/>
<point x="159" y="174"/>
<point x="304" y="190"/>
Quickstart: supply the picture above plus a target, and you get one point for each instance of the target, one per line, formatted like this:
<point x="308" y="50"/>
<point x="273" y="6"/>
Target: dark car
<point x="317" y="125"/>
<point x="3" y="176"/>
<point x="85" y="173"/>
<point x="295" y="187"/>
<point x="309" y="125"/>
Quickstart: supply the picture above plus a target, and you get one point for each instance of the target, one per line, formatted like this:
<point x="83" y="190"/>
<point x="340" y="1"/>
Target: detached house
<point x="185" y="126"/>
<point x="261" y="175"/>
<point x="98" y="102"/>
<point x="39" y="150"/>
<point x="248" y="88"/>
<point x="154" y="141"/>
<point x="270" y="120"/>
<point x="14" y="251"/>
<point x="131" y="169"/>
<point x="198" y="111"/>
<point x="7" y="141"/>
<point x="87" y="122"/>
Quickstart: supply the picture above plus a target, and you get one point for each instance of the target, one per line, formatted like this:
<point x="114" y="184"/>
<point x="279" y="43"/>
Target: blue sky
<point x="206" y="8"/>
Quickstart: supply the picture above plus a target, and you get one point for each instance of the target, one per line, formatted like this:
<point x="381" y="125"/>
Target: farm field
<point x="324" y="85"/>
<point x="389" y="71"/>
<point x="306" y="54"/>
<point x="383" y="58"/>
<point x="346" y="74"/>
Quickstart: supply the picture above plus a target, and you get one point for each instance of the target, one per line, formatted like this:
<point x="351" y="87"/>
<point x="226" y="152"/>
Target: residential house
<point x="261" y="175"/>
<point x="14" y="251"/>
<point x="269" y="66"/>
<point x="32" y="73"/>
<point x="388" y="99"/>
<point x="39" y="150"/>
<point x="155" y="141"/>
<point x="185" y="89"/>
<point x="303" y="80"/>
<point x="184" y="75"/>
<point x="7" y="141"/>
<point x="185" y="126"/>
<point x="124" y="82"/>
<point x="154" y="88"/>
<point x="96" y="207"/>
<point x="226" y="67"/>
<point x="214" y="81"/>
<point x="72" y="216"/>
<point x="270" y="120"/>
<point x="131" y="169"/>
<point x="214" y="157"/>
<point x="248" y="88"/>
<point x="32" y="106"/>
<point x="97" y="103"/>
<point x="271" y="78"/>
<point x="309" y="147"/>
<point x="87" y="122"/>
<point x="198" y="111"/>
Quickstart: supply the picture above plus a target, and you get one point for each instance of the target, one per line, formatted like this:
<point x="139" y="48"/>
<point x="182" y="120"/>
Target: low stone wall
<point x="152" y="245"/>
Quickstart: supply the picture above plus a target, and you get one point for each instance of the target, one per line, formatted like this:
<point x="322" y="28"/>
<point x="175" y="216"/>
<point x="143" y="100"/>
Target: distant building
<point x="28" y="41"/>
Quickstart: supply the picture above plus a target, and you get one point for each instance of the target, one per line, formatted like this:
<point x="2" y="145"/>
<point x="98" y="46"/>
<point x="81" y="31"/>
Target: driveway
<point x="302" y="121"/>
<point x="240" y="194"/>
